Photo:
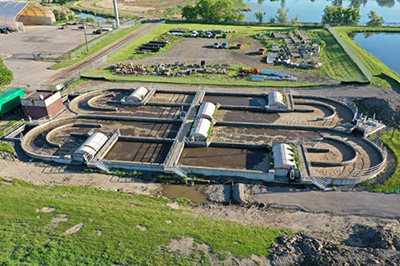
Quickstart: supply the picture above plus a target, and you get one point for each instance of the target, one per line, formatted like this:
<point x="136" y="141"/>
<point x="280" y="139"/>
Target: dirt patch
<point x="173" y="205"/>
<point x="183" y="246"/>
<point x="141" y="227"/>
<point x="189" y="248"/>
<point x="74" y="229"/>
<point x="46" y="210"/>
<point x="55" y="222"/>
<point x="385" y="111"/>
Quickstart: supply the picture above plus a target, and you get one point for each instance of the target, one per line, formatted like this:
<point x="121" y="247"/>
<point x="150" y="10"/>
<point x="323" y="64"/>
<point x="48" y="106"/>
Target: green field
<point x="382" y="74"/>
<point x="394" y="182"/>
<point x="113" y="228"/>
<point x="336" y="63"/>
<point x="102" y="44"/>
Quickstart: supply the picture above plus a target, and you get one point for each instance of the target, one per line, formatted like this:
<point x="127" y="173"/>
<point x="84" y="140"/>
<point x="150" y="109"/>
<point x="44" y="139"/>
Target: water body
<point x="87" y="15"/>
<point x="385" y="46"/>
<point x="312" y="10"/>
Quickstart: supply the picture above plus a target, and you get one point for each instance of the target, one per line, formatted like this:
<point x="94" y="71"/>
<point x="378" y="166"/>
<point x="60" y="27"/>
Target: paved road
<point x="336" y="203"/>
<point x="87" y="63"/>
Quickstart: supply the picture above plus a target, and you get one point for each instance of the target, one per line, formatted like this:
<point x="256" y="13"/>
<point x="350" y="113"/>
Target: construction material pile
<point x="171" y="70"/>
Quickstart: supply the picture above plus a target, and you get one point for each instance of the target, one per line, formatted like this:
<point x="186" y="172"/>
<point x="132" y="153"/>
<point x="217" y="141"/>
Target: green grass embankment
<point x="382" y="75"/>
<point x="118" y="228"/>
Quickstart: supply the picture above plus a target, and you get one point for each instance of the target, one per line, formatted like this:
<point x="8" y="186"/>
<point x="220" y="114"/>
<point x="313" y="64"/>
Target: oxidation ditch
<point x="234" y="158"/>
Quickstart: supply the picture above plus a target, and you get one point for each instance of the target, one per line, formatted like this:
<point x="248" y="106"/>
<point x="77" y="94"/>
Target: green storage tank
<point x="10" y="100"/>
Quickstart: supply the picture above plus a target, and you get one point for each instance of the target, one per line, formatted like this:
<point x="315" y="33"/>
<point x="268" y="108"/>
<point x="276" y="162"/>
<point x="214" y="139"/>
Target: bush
<point x="214" y="11"/>
<point x="6" y="76"/>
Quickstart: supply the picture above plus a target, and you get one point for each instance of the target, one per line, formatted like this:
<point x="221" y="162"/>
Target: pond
<point x="87" y="15"/>
<point x="312" y="10"/>
<point x="385" y="46"/>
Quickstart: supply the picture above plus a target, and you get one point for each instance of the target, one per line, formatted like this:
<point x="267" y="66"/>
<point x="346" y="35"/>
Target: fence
<point x="83" y="49"/>
<point x="354" y="57"/>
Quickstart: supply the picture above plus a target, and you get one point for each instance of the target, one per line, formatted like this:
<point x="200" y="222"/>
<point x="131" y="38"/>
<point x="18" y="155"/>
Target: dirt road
<point x="98" y="56"/>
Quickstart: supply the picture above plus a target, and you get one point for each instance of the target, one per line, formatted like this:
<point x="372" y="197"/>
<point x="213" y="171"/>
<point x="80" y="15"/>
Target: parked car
<point x="216" y="45"/>
<point x="106" y="29"/>
<point x="239" y="46"/>
<point x="97" y="31"/>
<point x="225" y="45"/>
<point x="262" y="51"/>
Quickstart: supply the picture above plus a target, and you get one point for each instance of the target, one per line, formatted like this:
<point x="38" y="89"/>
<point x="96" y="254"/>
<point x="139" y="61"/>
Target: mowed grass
<point x="394" y="182"/>
<point x="382" y="74"/>
<point x="336" y="62"/>
<point x="102" y="44"/>
<point x="110" y="235"/>
<point x="196" y="80"/>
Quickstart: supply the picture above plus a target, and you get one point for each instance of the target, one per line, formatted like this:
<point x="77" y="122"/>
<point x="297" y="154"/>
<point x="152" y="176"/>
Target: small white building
<point x="137" y="96"/>
<point x="284" y="160"/>
<point x="200" y="129"/>
<point x="89" y="148"/>
<point x="207" y="110"/>
<point x="276" y="101"/>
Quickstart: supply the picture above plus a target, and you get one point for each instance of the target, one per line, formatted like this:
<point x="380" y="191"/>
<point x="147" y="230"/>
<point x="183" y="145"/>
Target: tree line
<point x="232" y="11"/>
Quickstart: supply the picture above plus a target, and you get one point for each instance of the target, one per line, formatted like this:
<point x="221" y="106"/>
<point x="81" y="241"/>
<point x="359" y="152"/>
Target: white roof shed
<point x="90" y="147"/>
<point x="207" y="111"/>
<point x="15" y="15"/>
<point x="283" y="156"/>
<point x="275" y="100"/>
<point x="200" y="129"/>
<point x="138" y="95"/>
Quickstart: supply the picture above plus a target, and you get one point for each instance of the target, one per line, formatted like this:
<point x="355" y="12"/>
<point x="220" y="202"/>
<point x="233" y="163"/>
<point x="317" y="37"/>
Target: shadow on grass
<point x="393" y="83"/>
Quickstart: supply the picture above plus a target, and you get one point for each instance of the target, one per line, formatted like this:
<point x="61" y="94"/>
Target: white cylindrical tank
<point x="207" y="111"/>
<point x="138" y="95"/>
<point x="90" y="147"/>
<point x="275" y="100"/>
<point x="200" y="129"/>
<point x="283" y="156"/>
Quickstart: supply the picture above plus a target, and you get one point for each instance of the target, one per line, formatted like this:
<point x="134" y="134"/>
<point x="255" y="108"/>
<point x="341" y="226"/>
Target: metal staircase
<point x="102" y="166"/>
<point x="319" y="182"/>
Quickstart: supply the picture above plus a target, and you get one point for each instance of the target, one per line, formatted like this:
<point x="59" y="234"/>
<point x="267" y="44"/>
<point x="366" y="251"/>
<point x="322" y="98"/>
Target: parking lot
<point x="18" y="50"/>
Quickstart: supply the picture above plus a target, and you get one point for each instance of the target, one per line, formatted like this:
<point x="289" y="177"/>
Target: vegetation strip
<point x="113" y="37"/>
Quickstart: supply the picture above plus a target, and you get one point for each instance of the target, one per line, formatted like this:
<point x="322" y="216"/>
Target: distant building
<point x="14" y="15"/>
<point x="42" y="103"/>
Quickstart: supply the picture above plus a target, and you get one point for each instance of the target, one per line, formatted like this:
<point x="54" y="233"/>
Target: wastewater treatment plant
<point x="270" y="137"/>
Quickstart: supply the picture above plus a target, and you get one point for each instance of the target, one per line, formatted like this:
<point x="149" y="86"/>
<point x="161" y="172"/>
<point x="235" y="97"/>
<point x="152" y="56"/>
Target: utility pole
<point x="117" y="25"/>
<point x="86" y="40"/>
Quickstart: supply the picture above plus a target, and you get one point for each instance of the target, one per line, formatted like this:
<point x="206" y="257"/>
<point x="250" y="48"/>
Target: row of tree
<point x="231" y="11"/>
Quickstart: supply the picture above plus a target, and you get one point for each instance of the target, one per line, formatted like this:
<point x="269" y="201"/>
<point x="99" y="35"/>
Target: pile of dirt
<point x="366" y="246"/>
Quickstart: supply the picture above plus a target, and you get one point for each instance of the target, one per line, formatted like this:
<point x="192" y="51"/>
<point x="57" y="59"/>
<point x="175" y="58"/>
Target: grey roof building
<point x="14" y="15"/>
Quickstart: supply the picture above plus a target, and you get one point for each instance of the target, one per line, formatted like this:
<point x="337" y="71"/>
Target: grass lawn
<point x="196" y="80"/>
<point x="394" y="182"/>
<point x="382" y="74"/>
<point x="102" y="44"/>
<point x="113" y="228"/>
<point x="7" y="147"/>
<point x="336" y="62"/>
